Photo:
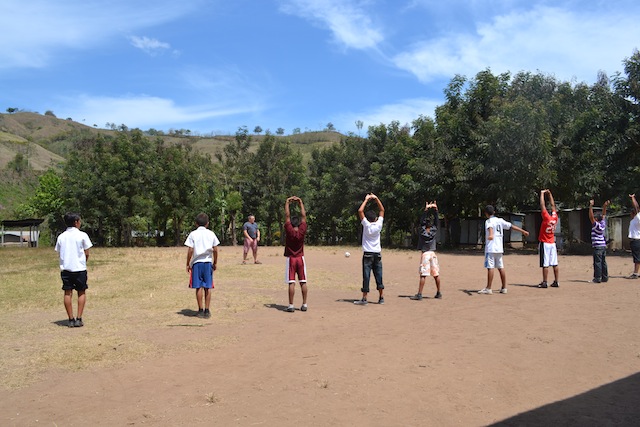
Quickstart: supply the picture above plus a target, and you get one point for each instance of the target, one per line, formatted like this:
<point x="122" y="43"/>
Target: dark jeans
<point x="371" y="261"/>
<point x="600" y="270"/>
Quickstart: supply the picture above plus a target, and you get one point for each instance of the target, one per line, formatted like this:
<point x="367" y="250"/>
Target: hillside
<point x="44" y="141"/>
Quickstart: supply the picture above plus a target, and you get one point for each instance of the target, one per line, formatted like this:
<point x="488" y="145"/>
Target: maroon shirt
<point x="294" y="241"/>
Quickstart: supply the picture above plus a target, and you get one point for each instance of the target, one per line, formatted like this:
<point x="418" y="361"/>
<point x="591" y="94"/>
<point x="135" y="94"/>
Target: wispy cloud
<point x="145" y="111"/>
<point x="347" y="20"/>
<point x="545" y="38"/>
<point x="150" y="46"/>
<point x="34" y="32"/>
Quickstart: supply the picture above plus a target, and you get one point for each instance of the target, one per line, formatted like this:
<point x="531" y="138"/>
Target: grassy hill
<point x="45" y="140"/>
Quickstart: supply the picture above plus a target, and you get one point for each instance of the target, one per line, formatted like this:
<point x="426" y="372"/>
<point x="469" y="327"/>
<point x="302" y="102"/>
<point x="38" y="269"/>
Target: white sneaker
<point x="503" y="290"/>
<point x="485" y="291"/>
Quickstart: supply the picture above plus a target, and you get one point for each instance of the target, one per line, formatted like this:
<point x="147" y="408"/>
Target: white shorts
<point x="548" y="254"/>
<point x="429" y="264"/>
<point x="493" y="260"/>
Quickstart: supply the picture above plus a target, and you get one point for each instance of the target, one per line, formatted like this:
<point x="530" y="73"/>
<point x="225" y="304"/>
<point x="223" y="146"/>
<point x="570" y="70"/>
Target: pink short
<point x="253" y="245"/>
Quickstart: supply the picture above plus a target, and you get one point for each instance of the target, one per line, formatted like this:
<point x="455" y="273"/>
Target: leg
<point x="503" y="277"/>
<point x="437" y="280"/>
<point x="605" y="268"/>
<point x="68" y="295"/>
<point x="199" y="295"/>
<point x="545" y="274"/>
<point x="490" y="272"/>
<point x="303" y="288"/>
<point x="421" y="285"/>
<point x="292" y="292"/>
<point x="597" y="265"/>
<point x="367" y="263"/>
<point x="82" y="299"/>
<point x="377" y="274"/>
<point x="255" y="251"/>
<point x="556" y="273"/>
<point x="207" y="298"/>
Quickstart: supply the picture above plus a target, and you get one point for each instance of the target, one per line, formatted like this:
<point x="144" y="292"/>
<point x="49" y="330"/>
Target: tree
<point x="12" y="110"/>
<point x="359" y="125"/>
<point x="257" y="130"/>
<point x="49" y="113"/>
<point x="330" y="127"/>
<point x="280" y="131"/>
<point x="19" y="164"/>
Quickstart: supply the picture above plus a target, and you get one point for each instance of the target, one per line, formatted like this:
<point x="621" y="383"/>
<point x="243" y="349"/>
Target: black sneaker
<point x="555" y="284"/>
<point x="416" y="297"/>
<point x="381" y="300"/>
<point x="438" y="295"/>
<point x="303" y="307"/>
<point x="290" y="309"/>
<point x="78" y="323"/>
<point x="200" y="313"/>
<point x="207" y="313"/>
<point x="360" y="302"/>
<point x="72" y="323"/>
<point x="543" y="285"/>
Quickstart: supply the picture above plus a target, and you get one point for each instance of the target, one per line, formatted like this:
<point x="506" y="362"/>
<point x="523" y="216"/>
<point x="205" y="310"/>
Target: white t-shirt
<point x="202" y="240"/>
<point x="634" y="227"/>
<point x="71" y="246"/>
<point x="371" y="235"/>
<point x="495" y="246"/>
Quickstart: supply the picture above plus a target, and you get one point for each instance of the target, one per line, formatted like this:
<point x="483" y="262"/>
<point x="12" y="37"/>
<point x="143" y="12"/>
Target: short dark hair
<point x="426" y="223"/>
<point x="295" y="221"/>
<point x="70" y="219"/>
<point x="598" y="217"/>
<point x="370" y="215"/>
<point x="202" y="219"/>
<point x="490" y="210"/>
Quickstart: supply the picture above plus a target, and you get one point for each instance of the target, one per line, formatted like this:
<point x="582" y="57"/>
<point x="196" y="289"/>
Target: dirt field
<point x="565" y="356"/>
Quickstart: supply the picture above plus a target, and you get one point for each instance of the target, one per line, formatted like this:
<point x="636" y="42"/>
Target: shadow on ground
<point x="613" y="404"/>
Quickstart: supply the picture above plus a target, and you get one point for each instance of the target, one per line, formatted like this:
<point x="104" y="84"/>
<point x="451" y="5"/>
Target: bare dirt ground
<point x="563" y="356"/>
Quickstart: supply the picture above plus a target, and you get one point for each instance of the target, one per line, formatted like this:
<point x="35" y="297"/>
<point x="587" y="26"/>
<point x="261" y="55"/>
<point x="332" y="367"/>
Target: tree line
<point x="498" y="139"/>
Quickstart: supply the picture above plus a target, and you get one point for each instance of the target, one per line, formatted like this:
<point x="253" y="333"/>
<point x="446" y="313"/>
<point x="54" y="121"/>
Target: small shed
<point x="21" y="231"/>
<point x="472" y="230"/>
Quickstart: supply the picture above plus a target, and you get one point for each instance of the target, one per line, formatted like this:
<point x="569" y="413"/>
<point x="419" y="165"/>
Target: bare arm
<point x="635" y="202"/>
<point x="189" y="256"/>
<point x="246" y="235"/>
<point x="86" y="254"/>
<point x="553" y="204"/>
<point x="542" y="203"/>
<point x="362" y="206"/>
<point x="490" y="235"/>
<point x="287" y="212"/>
<point x="591" y="217"/>
<point x="380" y="207"/>
<point x="215" y="257"/>
<point x="522" y="230"/>
<point x="604" y="208"/>
<point x="303" y="212"/>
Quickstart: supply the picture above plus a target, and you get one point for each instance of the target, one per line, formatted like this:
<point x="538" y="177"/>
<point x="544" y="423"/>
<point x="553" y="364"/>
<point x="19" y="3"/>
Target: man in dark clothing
<point x="427" y="245"/>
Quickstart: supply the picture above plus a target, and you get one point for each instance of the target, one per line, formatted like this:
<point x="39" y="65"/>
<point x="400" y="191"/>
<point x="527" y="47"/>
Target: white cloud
<point x="35" y="31"/>
<point x="404" y="112"/>
<point x="346" y="19"/>
<point x="148" y="45"/>
<point x="552" y="40"/>
<point x="139" y="111"/>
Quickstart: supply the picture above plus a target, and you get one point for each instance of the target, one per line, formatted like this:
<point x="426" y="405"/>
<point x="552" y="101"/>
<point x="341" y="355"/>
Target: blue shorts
<point x="201" y="275"/>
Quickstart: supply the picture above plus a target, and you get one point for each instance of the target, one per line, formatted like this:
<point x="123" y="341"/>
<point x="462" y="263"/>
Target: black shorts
<point x="635" y="250"/>
<point x="74" y="280"/>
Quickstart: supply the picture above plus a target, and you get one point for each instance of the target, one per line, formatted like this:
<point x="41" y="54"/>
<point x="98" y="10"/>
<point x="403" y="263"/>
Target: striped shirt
<point x="597" y="234"/>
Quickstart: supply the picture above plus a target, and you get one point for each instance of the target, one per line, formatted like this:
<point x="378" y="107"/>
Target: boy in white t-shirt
<point x="202" y="260"/>
<point x="634" y="237"/>
<point x="494" y="247"/>
<point x="73" y="248"/>
<point x="371" y="249"/>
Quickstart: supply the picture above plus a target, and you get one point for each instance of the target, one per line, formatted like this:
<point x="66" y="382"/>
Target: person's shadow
<point x="277" y="307"/>
<point x="64" y="323"/>
<point x="187" y="312"/>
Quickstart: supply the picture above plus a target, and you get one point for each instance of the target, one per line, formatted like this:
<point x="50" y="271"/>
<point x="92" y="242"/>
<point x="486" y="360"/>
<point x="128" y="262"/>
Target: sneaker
<point x="543" y="285"/>
<point x="592" y="281"/>
<point x="555" y="284"/>
<point x="200" y="313"/>
<point x="416" y="297"/>
<point x="632" y="276"/>
<point x="78" y="323"/>
<point x="291" y="309"/>
<point x="503" y="290"/>
<point x="361" y="302"/>
<point x="485" y="291"/>
<point x="207" y="313"/>
<point x="381" y="300"/>
<point x="72" y="323"/>
<point x="438" y="295"/>
<point x="304" y="307"/>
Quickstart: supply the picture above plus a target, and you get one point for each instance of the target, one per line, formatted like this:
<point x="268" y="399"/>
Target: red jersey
<point x="548" y="227"/>
<point x="294" y="240"/>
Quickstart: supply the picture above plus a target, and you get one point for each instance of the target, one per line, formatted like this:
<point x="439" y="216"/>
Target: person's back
<point x="294" y="239"/>
<point x="71" y="246"/>
<point x="496" y="245"/>
<point x="371" y="234"/>
<point x="548" y="226"/>
<point x="428" y="233"/>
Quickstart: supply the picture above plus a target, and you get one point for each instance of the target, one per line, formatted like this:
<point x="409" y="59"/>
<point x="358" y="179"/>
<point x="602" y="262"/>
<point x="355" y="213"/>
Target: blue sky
<point x="211" y="66"/>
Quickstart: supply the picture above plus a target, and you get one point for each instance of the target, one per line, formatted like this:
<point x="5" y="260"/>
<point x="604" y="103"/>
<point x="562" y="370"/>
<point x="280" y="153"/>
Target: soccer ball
<point x="347" y="254"/>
